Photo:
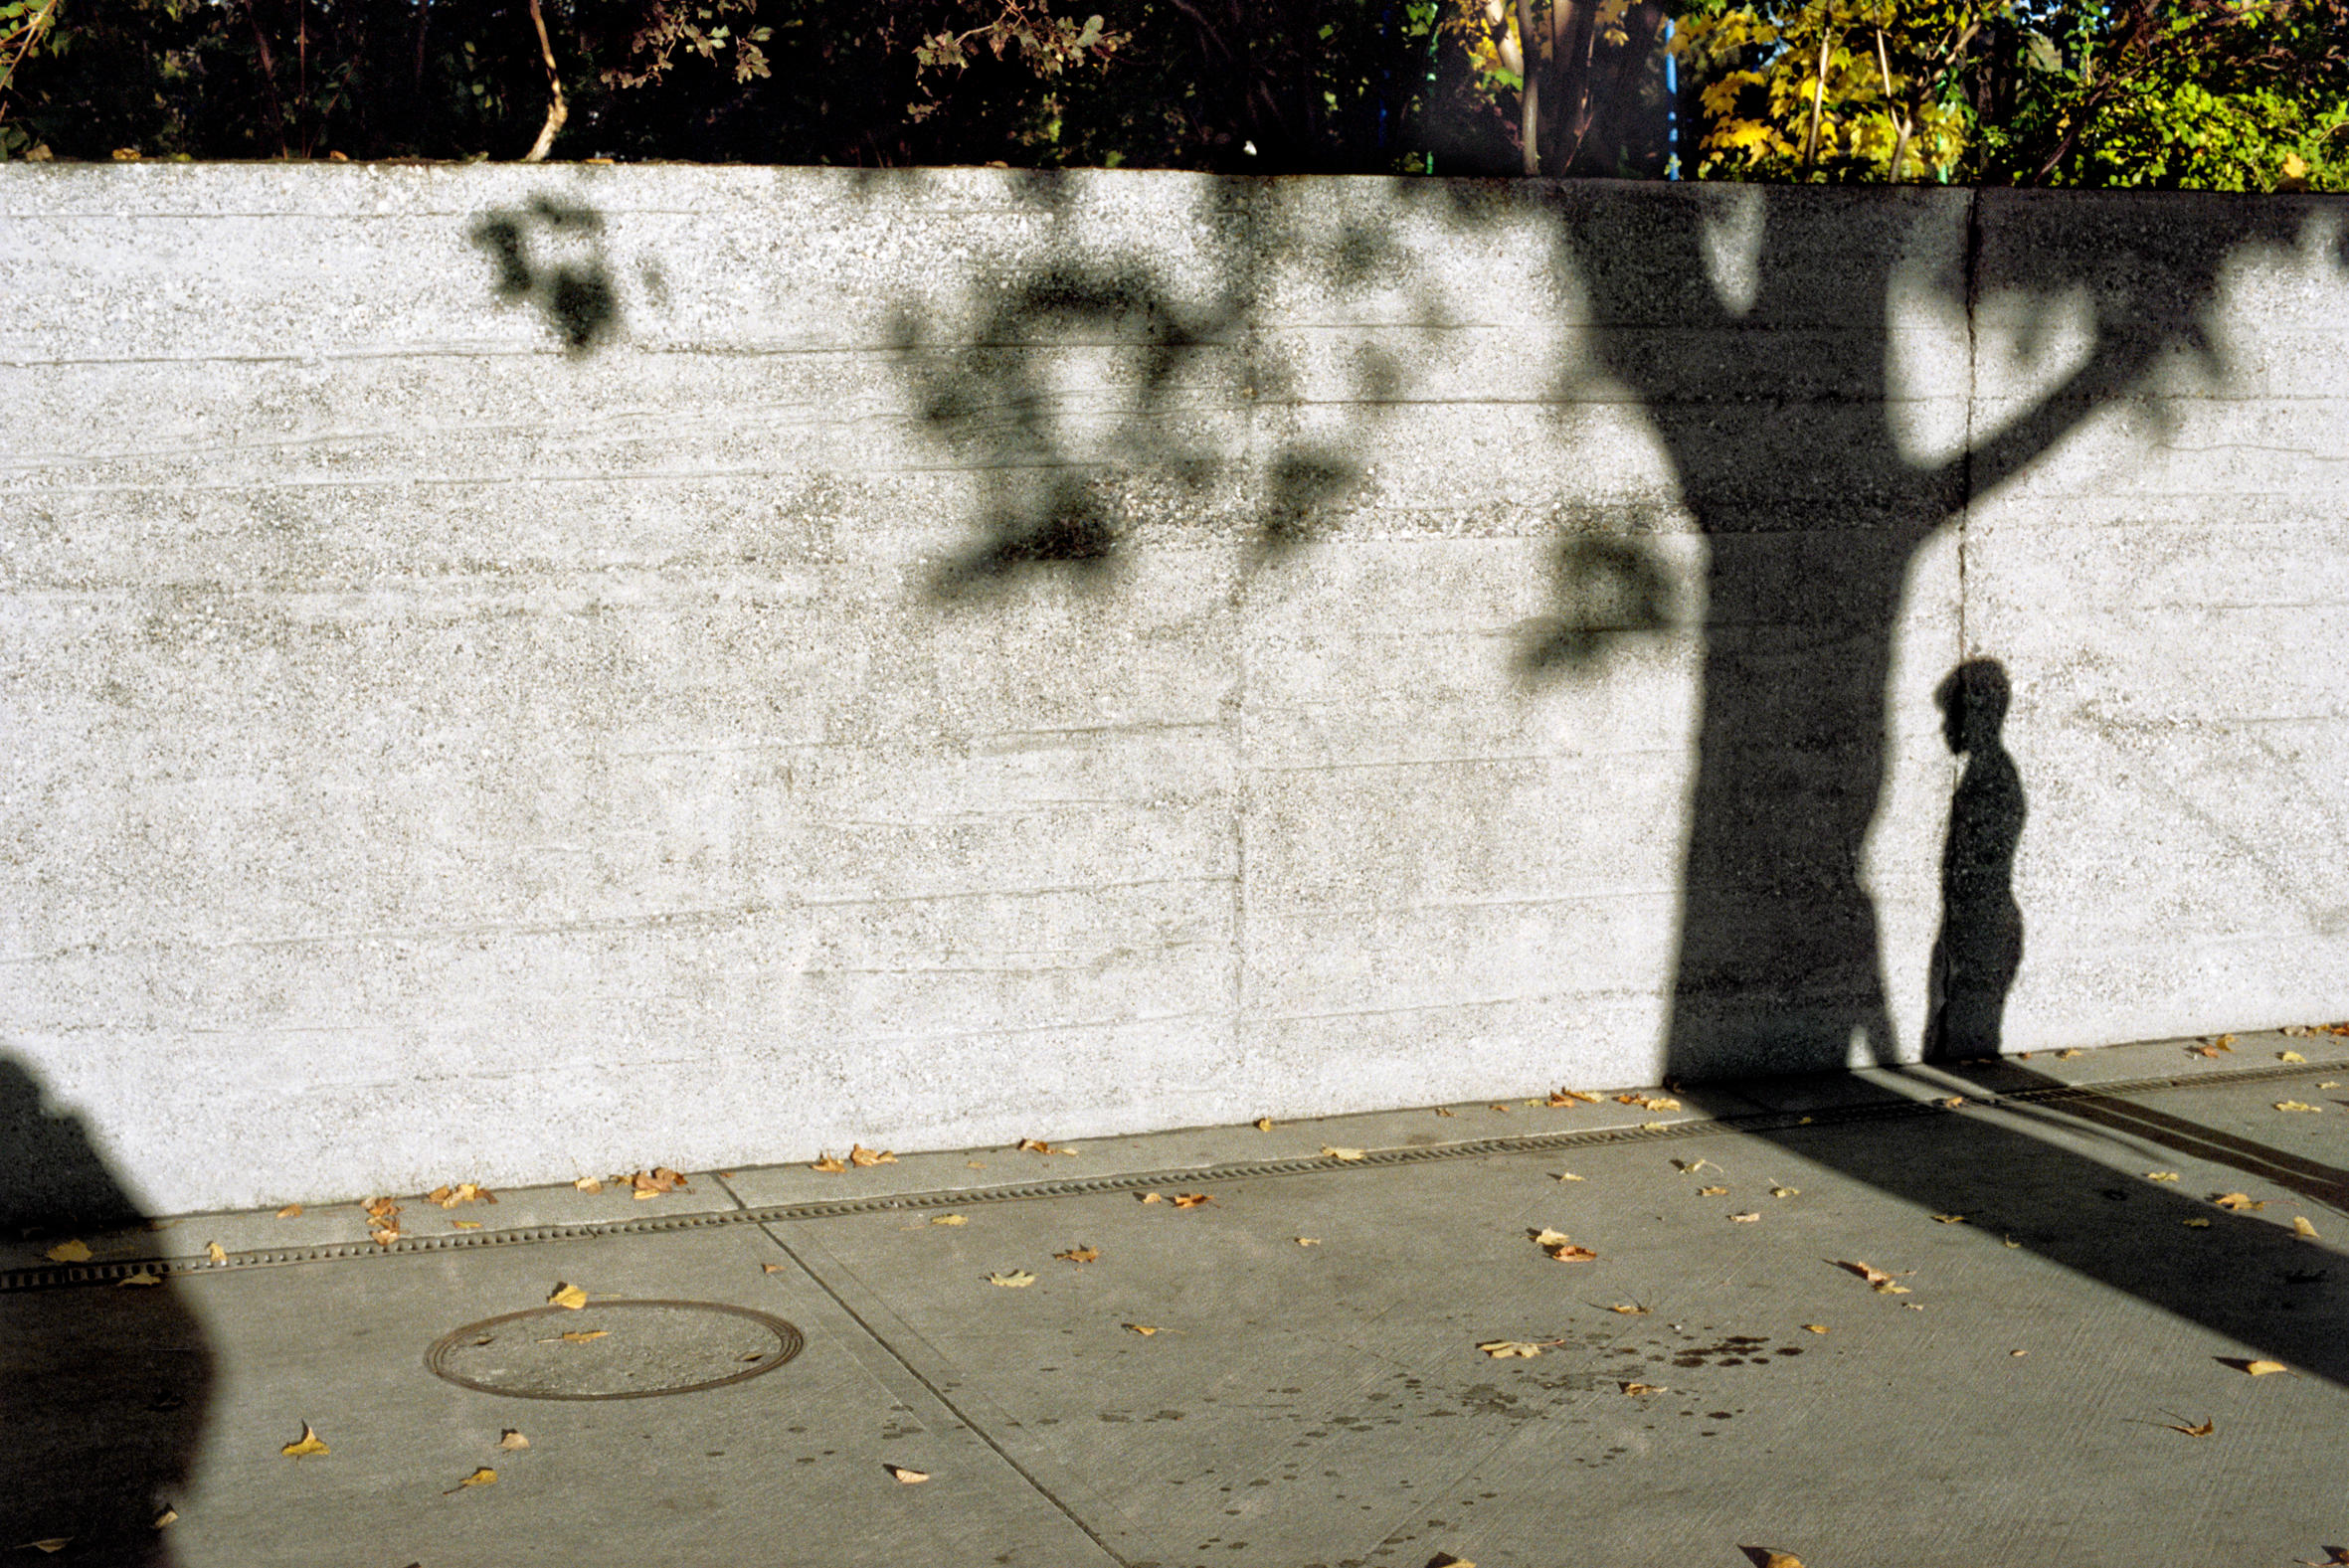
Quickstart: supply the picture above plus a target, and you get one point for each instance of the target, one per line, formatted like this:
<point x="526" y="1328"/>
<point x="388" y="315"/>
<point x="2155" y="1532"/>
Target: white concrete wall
<point x="428" y="753"/>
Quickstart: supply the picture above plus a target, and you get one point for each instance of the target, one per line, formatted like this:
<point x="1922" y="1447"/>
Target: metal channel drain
<point x="37" y="1279"/>
<point x="614" y="1351"/>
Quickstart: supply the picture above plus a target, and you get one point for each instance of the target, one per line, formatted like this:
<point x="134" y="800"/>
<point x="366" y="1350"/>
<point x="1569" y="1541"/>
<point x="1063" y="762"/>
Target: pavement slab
<point x="1089" y="1365"/>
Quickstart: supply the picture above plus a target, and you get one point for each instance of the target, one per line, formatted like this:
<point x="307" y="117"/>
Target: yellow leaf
<point x="2198" y="1225"/>
<point x="1950" y="1219"/>
<point x="1148" y="1197"/>
<point x="1885" y="1283"/>
<point x="2239" y="1202"/>
<point x="1447" y="1560"/>
<point x="1713" y="1192"/>
<point x="215" y="1252"/>
<point x="1308" y="1241"/>
<point x="910" y="1477"/>
<point x="53" y="1543"/>
<point x="1692" y="1166"/>
<point x="139" y="1278"/>
<point x="570" y="1296"/>
<point x="1264" y="1123"/>
<point x="2263" y="1368"/>
<point x="2290" y="1056"/>
<point x="1950" y="1102"/>
<point x="587" y="1184"/>
<point x="1635" y="1390"/>
<point x="2301" y="1227"/>
<point x="1764" y="1557"/>
<point x="308" y="1443"/>
<point x="771" y="1268"/>
<point x="1653" y="1126"/>
<point x="1084" y="1253"/>
<point x="1144" y="1330"/>
<point x="2161" y="1175"/>
<point x="465" y="1225"/>
<point x="1567" y="1175"/>
<point x="580" y="1336"/>
<point x="1341" y="1153"/>
<point x="1629" y="1308"/>
<point x="1749" y="1217"/>
<point x="1814" y="1329"/>
<point x="1545" y="1237"/>
<point x="510" y="1438"/>
<point x="2296" y="1105"/>
<point x="290" y="1211"/>
<point x="2201" y="1431"/>
<point x="2066" y="1056"/>
<point x="950" y="1219"/>
<point x="829" y="1164"/>
<point x="1786" y="1192"/>
<point x="166" y="1517"/>
<point x="69" y="1252"/>
<point x="484" y="1476"/>
<point x="1503" y="1349"/>
<point x="864" y="1159"/>
<point x="1012" y="1278"/>
<point x="1037" y="1146"/>
<point x="1191" y="1200"/>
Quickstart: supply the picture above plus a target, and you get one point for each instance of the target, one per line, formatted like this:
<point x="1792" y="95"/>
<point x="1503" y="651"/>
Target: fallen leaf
<point x="570" y="1296"/>
<point x="141" y="1278"/>
<point x="1749" y="1217"/>
<point x="2296" y="1105"/>
<point x="2201" y="1431"/>
<point x="1504" y="1110"/>
<point x="2334" y="1557"/>
<point x="308" y="1443"/>
<point x="1447" y="1560"/>
<point x="950" y="1219"/>
<point x="1692" y="1166"/>
<point x="1560" y="1247"/>
<point x="2198" y="1225"/>
<point x="1653" y="1126"/>
<point x="1713" y="1192"/>
<point x="1950" y="1102"/>
<point x="1628" y="1308"/>
<point x="2263" y="1368"/>
<point x="2290" y="1056"/>
<point x="1545" y="1237"/>
<point x="1084" y="1253"/>
<point x="771" y="1268"/>
<point x="53" y="1543"/>
<point x="1504" y="1350"/>
<point x="1037" y="1146"/>
<point x="2240" y="1202"/>
<point x="1308" y="1241"/>
<point x="166" y="1517"/>
<point x="380" y="1208"/>
<point x="908" y="1477"/>
<point x="1329" y="1153"/>
<point x="484" y="1476"/>
<point x="215" y="1252"/>
<point x="1144" y="1330"/>
<point x="579" y="1335"/>
<point x="1191" y="1200"/>
<point x="2301" y="1227"/>
<point x="1264" y="1123"/>
<point x="69" y="1252"/>
<point x="829" y="1164"/>
<point x="2066" y="1056"/>
<point x="2018" y="1352"/>
<point x="2206" y="1050"/>
<point x="1786" y="1192"/>
<point x="1566" y="1175"/>
<point x="1148" y="1197"/>
<point x="290" y="1211"/>
<point x="2161" y="1175"/>
<point x="1814" y="1329"/>
<point x="465" y="1225"/>
<point x="510" y="1438"/>
<point x="383" y="1235"/>
<point x="1950" y="1219"/>
<point x="1885" y="1283"/>
<point x="1013" y="1280"/>
<point x="865" y="1159"/>
<point x="587" y="1184"/>
<point x="1764" y="1557"/>
<point x="1635" y="1390"/>
<point x="1441" y="1111"/>
<point x="2331" y="1083"/>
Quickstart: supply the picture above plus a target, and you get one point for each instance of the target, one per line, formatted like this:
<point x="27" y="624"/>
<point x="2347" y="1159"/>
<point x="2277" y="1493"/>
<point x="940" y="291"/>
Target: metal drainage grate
<point x="614" y="1351"/>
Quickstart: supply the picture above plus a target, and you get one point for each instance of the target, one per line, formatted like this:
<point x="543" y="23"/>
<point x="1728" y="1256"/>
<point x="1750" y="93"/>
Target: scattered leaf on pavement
<point x="1885" y="1283"/>
<point x="579" y="1335"/>
<point x="1085" y="1253"/>
<point x="1012" y="1279"/>
<point x="510" y="1438"/>
<point x="463" y="1192"/>
<point x="215" y="1252"/>
<point x="865" y="1159"/>
<point x="1786" y="1192"/>
<point x="1692" y="1166"/>
<point x="139" y="1278"/>
<point x="1814" y="1329"/>
<point x="950" y="1219"/>
<point x="1649" y="1102"/>
<point x="2198" y="1225"/>
<point x="1950" y="1102"/>
<point x="465" y="1225"/>
<point x="484" y="1476"/>
<point x="2260" y="1368"/>
<point x="1037" y="1146"/>
<point x="53" y="1543"/>
<point x="1567" y="1175"/>
<point x="1635" y="1390"/>
<point x="167" y="1517"/>
<point x="2203" y="1429"/>
<point x="2301" y="1227"/>
<point x="1144" y="1330"/>
<point x="1503" y="1349"/>
<point x="1713" y="1192"/>
<point x="1653" y="1126"/>
<point x="1263" y="1124"/>
<point x="1571" y="1097"/>
<point x="2240" y="1202"/>
<point x="1331" y="1152"/>
<point x="307" y="1443"/>
<point x="2290" y="1056"/>
<point x="910" y="1477"/>
<point x="1308" y="1241"/>
<point x="1950" y="1219"/>
<point x="1749" y="1217"/>
<point x="1447" y="1560"/>
<point x="289" y="1212"/>
<point x="1191" y="1200"/>
<point x="1560" y="1245"/>
<point x="69" y="1252"/>
<point x="2161" y="1175"/>
<point x="570" y="1296"/>
<point x="829" y="1164"/>
<point x="2297" y="1104"/>
<point x="1764" y="1557"/>
<point x="587" y="1184"/>
<point x="771" y="1268"/>
<point x="1441" y="1111"/>
<point x="1628" y="1308"/>
<point x="2066" y="1056"/>
<point x="1148" y="1197"/>
<point x="2207" y="1050"/>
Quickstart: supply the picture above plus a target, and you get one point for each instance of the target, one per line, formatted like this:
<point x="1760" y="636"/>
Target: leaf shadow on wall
<point x="549" y="253"/>
<point x="107" y="1385"/>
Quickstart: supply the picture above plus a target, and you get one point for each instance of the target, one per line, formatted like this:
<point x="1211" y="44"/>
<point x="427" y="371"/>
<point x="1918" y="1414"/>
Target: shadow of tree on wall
<point x="573" y="287"/>
<point x="1773" y="408"/>
<point x="112" y="1382"/>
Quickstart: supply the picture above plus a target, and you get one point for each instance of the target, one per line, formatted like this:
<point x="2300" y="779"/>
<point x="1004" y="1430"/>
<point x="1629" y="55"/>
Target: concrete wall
<point x="508" y="673"/>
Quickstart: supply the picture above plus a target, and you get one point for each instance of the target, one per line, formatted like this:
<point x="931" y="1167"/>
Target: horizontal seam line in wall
<point x="66" y="1274"/>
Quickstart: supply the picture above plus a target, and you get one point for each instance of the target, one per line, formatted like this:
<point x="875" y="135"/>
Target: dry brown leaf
<point x="1950" y="1102"/>
<point x="1012" y="1279"/>
<point x="465" y="1225"/>
<point x="1148" y="1197"/>
<point x="167" y="1517"/>
<point x="579" y="1335"/>
<point x="511" y="1440"/>
<point x="1504" y="1110"/>
<point x="1331" y="1152"/>
<point x="1308" y="1241"/>
<point x="865" y="1159"/>
<point x="910" y="1477"/>
<point x="1749" y="1217"/>
<point x="2297" y="1104"/>
<point x="1713" y="1192"/>
<point x="1447" y="1560"/>
<point x="290" y="1211"/>
<point x="1191" y="1200"/>
<point x="1814" y="1329"/>
<point x="587" y="1184"/>
<point x="1264" y="1123"/>
<point x="484" y="1476"/>
<point x="2207" y="1050"/>
<point x="2290" y="1056"/>
<point x="2263" y="1368"/>
<point x="1566" y="1175"/>
<point x="1546" y="1237"/>
<point x="1764" y="1557"/>
<point x="52" y="1543"/>
<point x="1144" y="1330"/>
<point x="2201" y="1431"/>
<point x="2161" y="1175"/>
<point x="829" y="1164"/>
<point x="383" y="1235"/>
<point x="1950" y="1219"/>
<point x="1084" y="1253"/>
<point x="950" y="1219"/>
<point x="1584" y="1094"/>
<point x="1559" y="1246"/>
<point x="565" y="1295"/>
<point x="1692" y="1166"/>
<point x="2198" y="1225"/>
<point x="1037" y="1146"/>
<point x="2239" y="1202"/>
<point x="143" y="1278"/>
<point x="307" y="1443"/>
<point x="771" y="1268"/>
<point x="2066" y="1056"/>
<point x="1786" y="1192"/>
<point x="215" y="1252"/>
<point x="1441" y="1111"/>
<point x="1635" y="1390"/>
<point x="1504" y="1350"/>
<point x="69" y="1252"/>
<point x="1885" y="1283"/>
<point x="2301" y="1227"/>
<point x="380" y="1208"/>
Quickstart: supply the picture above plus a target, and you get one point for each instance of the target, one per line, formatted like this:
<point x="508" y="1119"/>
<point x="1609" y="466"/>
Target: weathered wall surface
<point x="509" y="672"/>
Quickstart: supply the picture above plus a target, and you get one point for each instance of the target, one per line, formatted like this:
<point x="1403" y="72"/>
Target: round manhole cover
<point x="614" y="1351"/>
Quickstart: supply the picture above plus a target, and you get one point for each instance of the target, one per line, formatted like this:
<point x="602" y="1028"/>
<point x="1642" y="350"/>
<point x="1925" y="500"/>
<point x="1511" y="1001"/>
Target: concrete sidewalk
<point x="1092" y="1367"/>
